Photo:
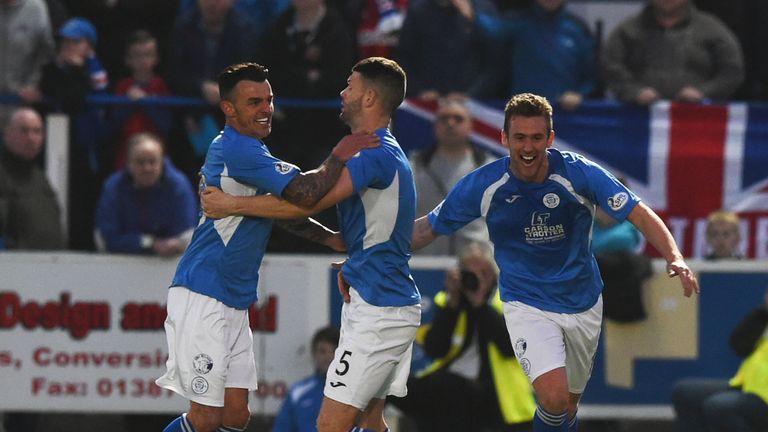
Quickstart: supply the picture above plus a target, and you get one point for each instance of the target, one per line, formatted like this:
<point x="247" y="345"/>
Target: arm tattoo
<point x="306" y="189"/>
<point x="305" y="228"/>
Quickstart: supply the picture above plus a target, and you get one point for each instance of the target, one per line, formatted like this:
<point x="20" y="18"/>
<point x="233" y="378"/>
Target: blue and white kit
<point x="225" y="254"/>
<point x="541" y="231"/>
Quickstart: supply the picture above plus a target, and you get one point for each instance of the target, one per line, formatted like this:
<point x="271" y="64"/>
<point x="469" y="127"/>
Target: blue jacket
<point x="301" y="406"/>
<point x="125" y="213"/>
<point x="546" y="53"/>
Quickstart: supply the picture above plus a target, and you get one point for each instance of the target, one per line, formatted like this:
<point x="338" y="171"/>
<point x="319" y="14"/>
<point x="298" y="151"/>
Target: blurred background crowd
<point x="150" y="67"/>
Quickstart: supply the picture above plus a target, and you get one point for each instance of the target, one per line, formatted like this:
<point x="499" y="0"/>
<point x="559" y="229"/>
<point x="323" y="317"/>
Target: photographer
<point x="474" y="382"/>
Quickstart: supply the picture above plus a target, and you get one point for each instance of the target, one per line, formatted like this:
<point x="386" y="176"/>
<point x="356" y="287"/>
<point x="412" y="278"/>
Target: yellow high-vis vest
<point x="752" y="375"/>
<point x="513" y="390"/>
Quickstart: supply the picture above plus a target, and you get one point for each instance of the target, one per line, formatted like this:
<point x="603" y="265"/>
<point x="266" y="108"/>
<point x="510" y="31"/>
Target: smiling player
<point x="538" y="204"/>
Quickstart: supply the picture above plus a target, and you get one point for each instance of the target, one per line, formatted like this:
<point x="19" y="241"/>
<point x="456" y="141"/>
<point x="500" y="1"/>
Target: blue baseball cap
<point x="79" y="28"/>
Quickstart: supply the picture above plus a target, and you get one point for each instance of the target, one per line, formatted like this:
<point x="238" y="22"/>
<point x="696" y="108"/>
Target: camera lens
<point x="469" y="281"/>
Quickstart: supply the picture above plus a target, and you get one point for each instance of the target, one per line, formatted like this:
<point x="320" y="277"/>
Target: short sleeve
<point x="462" y="205"/>
<point x="260" y="169"/>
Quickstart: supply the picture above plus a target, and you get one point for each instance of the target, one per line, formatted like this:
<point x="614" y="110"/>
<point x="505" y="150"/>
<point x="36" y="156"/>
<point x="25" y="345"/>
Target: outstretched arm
<point x="654" y="230"/>
<point x="307" y="188"/>
<point x="423" y="234"/>
<point x="217" y="204"/>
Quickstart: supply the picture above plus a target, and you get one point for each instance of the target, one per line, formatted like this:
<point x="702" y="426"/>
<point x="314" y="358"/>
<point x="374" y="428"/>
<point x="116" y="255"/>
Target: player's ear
<point x="551" y="138"/>
<point x="227" y="108"/>
<point x="370" y="97"/>
<point x="504" y="139"/>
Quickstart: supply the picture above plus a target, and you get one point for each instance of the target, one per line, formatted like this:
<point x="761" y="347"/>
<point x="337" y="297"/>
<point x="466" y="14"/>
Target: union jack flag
<point x="683" y="160"/>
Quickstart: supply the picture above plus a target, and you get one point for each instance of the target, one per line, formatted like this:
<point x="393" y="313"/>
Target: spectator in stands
<point x="29" y="212"/>
<point x="672" y="51"/>
<point x="302" y="404"/>
<point x="723" y="235"/>
<point x="149" y="207"/>
<point x="376" y="23"/>
<point x="740" y="404"/>
<point x="546" y="50"/>
<point x="259" y="11"/>
<point x="440" y="48"/>
<point x="26" y="46"/>
<point x="437" y="168"/>
<point x="309" y="52"/>
<point x="114" y="19"/>
<point x="206" y="40"/>
<point x="75" y="74"/>
<point x="475" y="383"/>
<point x="141" y="57"/>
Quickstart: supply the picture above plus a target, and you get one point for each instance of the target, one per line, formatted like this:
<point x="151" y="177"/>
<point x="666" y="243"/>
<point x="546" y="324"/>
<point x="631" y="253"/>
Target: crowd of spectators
<point x="55" y="53"/>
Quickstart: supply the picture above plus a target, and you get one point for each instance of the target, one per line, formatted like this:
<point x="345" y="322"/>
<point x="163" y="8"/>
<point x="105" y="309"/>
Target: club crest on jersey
<point x="520" y="346"/>
<point x="283" y="168"/>
<point x="526" y="365"/>
<point x="199" y="385"/>
<point x="551" y="200"/>
<point x="617" y="201"/>
<point x="202" y="363"/>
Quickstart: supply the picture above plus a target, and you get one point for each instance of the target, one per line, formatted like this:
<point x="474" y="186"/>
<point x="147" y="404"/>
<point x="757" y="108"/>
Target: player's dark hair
<point x="528" y="105"/>
<point x="326" y="334"/>
<point x="388" y="78"/>
<point x="233" y="74"/>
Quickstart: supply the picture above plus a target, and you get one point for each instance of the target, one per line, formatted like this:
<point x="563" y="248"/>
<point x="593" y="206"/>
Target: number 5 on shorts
<point x="344" y="362"/>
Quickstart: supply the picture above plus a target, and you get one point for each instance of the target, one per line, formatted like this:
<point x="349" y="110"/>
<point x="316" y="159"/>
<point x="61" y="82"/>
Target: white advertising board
<point x="81" y="332"/>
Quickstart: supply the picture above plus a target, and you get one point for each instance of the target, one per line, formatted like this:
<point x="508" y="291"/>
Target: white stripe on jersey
<point x="383" y="204"/>
<point x="582" y="200"/>
<point x="485" y="204"/>
<point x="226" y="227"/>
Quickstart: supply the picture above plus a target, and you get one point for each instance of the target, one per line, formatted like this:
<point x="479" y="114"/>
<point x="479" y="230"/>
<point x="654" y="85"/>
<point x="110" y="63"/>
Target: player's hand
<point x="341" y="282"/>
<point x="335" y="241"/>
<point x="687" y="278"/>
<point x="215" y="203"/>
<point x="351" y="144"/>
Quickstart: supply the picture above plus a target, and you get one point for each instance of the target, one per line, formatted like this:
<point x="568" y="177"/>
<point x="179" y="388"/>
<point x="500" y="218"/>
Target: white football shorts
<point x="544" y="341"/>
<point x="210" y="348"/>
<point x="373" y="359"/>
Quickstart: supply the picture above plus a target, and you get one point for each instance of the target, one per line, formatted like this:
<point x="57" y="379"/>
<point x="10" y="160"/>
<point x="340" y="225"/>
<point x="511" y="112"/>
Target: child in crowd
<point x="141" y="57"/>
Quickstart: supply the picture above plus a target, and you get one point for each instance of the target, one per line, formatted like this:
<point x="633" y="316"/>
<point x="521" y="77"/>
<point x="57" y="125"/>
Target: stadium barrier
<point x="84" y="332"/>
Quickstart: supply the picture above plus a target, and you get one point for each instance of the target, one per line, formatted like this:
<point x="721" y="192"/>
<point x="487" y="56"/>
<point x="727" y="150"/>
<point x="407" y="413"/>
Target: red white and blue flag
<point x="684" y="161"/>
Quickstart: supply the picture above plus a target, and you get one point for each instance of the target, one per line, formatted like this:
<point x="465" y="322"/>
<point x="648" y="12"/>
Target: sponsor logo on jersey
<point x="512" y="198"/>
<point x="199" y="385"/>
<point x="202" y="363"/>
<point x="551" y="200"/>
<point x="283" y="168"/>
<point x="617" y="201"/>
<point x="335" y="384"/>
<point x="541" y="231"/>
<point x="520" y="346"/>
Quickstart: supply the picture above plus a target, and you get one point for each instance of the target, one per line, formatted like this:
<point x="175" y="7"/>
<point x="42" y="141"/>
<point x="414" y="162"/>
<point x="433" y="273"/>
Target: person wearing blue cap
<point x="66" y="82"/>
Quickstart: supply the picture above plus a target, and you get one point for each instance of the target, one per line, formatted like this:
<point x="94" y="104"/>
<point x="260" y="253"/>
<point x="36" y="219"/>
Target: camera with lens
<point x="469" y="281"/>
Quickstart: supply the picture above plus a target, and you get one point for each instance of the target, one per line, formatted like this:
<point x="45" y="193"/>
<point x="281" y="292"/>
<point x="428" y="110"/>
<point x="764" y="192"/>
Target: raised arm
<point x="307" y="188"/>
<point x="654" y="230"/>
<point x="423" y="234"/>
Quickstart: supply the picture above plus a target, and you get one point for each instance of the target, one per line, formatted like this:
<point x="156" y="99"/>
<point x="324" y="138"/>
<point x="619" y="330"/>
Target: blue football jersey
<point x="377" y="224"/>
<point x="223" y="259"/>
<point x="541" y="232"/>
